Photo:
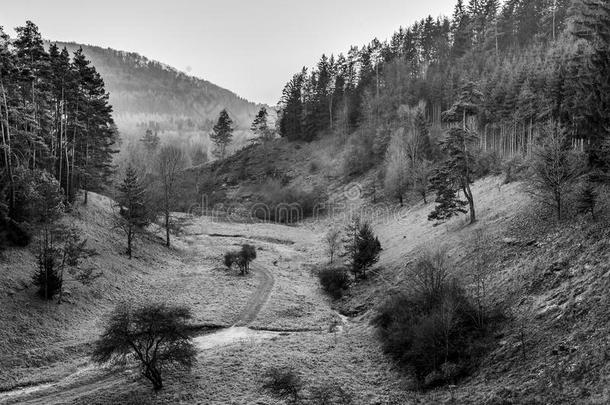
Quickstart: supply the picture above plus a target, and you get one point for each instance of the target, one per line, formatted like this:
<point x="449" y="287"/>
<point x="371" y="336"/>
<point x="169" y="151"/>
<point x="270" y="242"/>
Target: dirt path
<point x="90" y="379"/>
<point x="258" y="299"/>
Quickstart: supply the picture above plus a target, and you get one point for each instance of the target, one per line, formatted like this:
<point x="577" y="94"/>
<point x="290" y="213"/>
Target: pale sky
<point x="251" y="47"/>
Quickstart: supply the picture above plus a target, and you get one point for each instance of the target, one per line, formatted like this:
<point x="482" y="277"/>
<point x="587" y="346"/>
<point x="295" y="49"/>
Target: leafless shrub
<point x="284" y="383"/>
<point x="333" y="243"/>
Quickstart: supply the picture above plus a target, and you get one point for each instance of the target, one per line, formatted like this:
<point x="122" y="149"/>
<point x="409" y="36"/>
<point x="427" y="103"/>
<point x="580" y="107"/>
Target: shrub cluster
<point x="359" y="159"/>
<point x="285" y="384"/>
<point x="434" y="330"/>
<point x="242" y="258"/>
<point x="12" y="234"/>
<point x="334" y="281"/>
<point x="284" y="204"/>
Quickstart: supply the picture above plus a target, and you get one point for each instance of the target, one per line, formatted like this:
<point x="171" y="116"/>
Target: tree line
<point x="55" y="120"/>
<point x="531" y="61"/>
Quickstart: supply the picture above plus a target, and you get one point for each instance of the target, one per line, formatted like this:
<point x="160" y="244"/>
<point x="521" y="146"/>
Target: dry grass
<point x="563" y="308"/>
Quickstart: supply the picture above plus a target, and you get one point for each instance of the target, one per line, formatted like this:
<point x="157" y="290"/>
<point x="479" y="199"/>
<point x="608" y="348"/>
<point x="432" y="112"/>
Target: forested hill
<point x="148" y="93"/>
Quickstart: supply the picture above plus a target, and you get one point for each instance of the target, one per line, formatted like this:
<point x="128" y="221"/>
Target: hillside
<point x="148" y="94"/>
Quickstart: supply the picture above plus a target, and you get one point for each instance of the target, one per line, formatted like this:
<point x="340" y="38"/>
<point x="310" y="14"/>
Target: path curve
<point x="258" y="299"/>
<point x="89" y="379"/>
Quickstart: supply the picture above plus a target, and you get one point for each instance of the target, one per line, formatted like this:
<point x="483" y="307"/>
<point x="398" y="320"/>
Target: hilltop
<point x="148" y="94"/>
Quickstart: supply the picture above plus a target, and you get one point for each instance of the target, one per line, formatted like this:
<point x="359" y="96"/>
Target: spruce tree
<point x="361" y="247"/>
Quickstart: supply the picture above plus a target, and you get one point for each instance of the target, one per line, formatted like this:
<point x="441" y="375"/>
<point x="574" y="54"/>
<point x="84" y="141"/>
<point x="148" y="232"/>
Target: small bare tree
<point x="422" y="171"/>
<point x="155" y="335"/>
<point x="430" y="273"/>
<point x="555" y="167"/>
<point x="482" y="256"/>
<point x="333" y="243"/>
<point x="171" y="161"/>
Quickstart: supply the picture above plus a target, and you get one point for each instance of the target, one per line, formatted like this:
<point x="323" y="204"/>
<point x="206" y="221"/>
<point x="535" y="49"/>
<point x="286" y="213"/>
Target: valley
<point x="278" y="314"/>
<point x="420" y="219"/>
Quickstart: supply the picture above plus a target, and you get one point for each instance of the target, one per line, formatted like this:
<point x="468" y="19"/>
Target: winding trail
<point x="90" y="379"/>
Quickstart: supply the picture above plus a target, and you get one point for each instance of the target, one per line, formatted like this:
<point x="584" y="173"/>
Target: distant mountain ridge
<point x="147" y="93"/>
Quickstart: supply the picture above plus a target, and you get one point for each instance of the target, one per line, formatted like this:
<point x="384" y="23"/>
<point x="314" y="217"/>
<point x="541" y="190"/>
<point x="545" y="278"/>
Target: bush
<point x="229" y="259"/>
<point x="514" y="169"/>
<point x="359" y="159"/>
<point x="284" y="383"/>
<point x="242" y="258"/>
<point x="13" y="234"/>
<point x="38" y="197"/>
<point x="487" y="163"/>
<point x="155" y="335"/>
<point x="286" y="205"/>
<point x="432" y="330"/>
<point x="334" y="281"/>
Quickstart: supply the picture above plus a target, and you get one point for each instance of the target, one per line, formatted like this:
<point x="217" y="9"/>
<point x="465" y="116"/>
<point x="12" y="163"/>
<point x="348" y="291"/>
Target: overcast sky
<point x="251" y="47"/>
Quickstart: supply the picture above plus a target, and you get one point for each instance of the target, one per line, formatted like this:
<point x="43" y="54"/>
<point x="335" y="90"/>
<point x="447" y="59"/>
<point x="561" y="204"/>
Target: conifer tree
<point x="222" y="133"/>
<point x="132" y="202"/>
<point x="292" y="107"/>
<point x="454" y="174"/>
<point x="260" y="127"/>
<point x="361" y="247"/>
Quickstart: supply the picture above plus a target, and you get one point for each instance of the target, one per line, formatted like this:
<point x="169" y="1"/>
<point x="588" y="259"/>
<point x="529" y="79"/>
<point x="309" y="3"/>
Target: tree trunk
<point x="167" y="241"/>
<point x="469" y="197"/>
<point x="129" y="241"/>
<point x="7" y="150"/>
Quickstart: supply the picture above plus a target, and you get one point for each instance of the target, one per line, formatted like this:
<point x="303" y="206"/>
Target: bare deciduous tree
<point x="555" y="167"/>
<point x="482" y="256"/>
<point x="171" y="161"/>
<point x="333" y="243"/>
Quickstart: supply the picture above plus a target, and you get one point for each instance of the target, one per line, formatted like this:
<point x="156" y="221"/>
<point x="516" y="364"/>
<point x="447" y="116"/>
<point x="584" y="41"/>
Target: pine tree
<point x="592" y="25"/>
<point x="461" y="30"/>
<point x="291" y="113"/>
<point x="222" y="133"/>
<point x="260" y="126"/>
<point x="454" y="174"/>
